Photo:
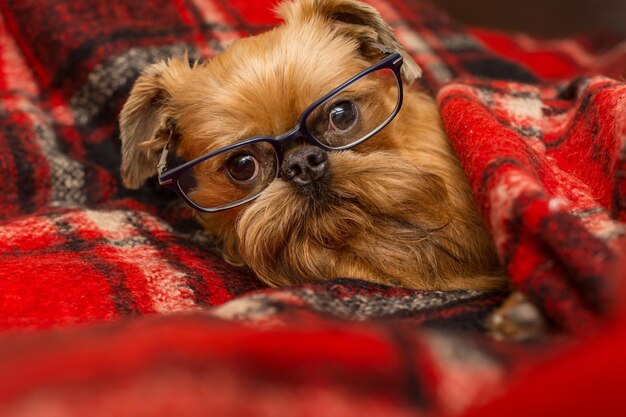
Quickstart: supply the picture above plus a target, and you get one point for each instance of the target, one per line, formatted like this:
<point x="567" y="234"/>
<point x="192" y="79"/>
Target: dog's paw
<point x="517" y="320"/>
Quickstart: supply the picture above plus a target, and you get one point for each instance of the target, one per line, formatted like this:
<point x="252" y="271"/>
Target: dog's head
<point x="373" y="211"/>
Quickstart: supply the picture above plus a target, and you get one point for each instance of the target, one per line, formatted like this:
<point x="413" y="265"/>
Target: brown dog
<point x="394" y="209"/>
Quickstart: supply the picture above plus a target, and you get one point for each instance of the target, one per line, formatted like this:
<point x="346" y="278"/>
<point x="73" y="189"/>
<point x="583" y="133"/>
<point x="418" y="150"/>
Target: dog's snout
<point x="305" y="165"/>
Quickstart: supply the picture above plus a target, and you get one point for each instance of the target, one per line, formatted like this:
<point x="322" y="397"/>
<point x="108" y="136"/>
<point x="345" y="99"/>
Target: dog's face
<point x="375" y="211"/>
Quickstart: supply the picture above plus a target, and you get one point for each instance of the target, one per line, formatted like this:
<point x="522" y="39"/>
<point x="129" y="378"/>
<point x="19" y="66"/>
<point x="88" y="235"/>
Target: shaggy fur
<point x="396" y="210"/>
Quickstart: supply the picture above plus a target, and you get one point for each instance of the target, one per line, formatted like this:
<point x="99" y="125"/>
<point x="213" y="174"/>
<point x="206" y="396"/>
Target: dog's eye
<point x="242" y="167"/>
<point x="343" y="115"/>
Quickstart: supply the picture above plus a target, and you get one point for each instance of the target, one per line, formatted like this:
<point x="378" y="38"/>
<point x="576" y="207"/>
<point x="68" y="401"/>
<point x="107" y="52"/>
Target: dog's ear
<point x="356" y="20"/>
<point x="146" y="120"/>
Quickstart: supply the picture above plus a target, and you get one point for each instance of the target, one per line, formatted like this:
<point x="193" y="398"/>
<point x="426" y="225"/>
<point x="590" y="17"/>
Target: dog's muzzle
<point x="305" y="166"/>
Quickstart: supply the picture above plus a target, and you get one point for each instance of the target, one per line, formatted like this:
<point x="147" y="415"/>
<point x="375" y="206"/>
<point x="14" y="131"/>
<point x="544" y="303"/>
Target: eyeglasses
<point x="342" y="119"/>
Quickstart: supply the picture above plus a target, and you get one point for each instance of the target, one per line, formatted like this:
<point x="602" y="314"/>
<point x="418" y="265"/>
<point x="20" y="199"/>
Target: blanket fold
<point x="554" y="218"/>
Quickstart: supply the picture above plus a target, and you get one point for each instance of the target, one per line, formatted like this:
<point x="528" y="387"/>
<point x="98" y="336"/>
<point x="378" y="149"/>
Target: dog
<point x="306" y="198"/>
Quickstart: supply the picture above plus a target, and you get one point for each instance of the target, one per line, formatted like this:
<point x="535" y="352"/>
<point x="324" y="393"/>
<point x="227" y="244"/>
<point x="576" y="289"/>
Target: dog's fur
<point x="396" y="210"/>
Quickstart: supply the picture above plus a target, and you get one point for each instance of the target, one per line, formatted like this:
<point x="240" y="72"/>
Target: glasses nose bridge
<point x="294" y="134"/>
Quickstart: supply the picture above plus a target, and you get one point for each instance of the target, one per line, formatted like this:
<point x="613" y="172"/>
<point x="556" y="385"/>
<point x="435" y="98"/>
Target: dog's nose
<point x="304" y="165"/>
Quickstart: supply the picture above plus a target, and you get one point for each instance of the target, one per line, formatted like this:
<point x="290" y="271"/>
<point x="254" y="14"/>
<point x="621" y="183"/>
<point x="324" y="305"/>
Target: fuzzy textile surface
<point x="113" y="302"/>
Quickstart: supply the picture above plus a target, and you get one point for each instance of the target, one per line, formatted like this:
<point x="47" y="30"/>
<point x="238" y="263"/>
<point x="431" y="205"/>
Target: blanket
<point x="113" y="301"/>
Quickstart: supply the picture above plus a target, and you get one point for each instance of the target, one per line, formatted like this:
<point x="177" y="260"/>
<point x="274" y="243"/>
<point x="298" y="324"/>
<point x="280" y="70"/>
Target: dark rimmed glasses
<point x="345" y="117"/>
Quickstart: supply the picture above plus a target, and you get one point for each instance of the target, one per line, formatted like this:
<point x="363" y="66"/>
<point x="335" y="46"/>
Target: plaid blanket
<point x="541" y="135"/>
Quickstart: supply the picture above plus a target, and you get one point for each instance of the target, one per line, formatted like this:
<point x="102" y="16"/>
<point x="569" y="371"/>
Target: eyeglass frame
<point x="393" y="60"/>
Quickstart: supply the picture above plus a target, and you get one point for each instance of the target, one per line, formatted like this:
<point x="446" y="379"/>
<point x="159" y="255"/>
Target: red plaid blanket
<point x="540" y="134"/>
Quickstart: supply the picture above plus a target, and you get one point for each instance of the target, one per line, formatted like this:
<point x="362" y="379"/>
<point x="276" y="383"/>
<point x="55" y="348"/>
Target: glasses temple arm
<point x="162" y="165"/>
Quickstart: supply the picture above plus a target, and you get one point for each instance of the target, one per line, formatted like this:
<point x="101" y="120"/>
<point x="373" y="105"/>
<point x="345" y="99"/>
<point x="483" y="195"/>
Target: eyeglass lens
<point x="356" y="111"/>
<point x="250" y="168"/>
